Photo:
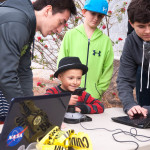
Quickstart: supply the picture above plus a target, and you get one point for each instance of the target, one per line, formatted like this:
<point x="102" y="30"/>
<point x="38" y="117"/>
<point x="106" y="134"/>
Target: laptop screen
<point x="31" y="117"/>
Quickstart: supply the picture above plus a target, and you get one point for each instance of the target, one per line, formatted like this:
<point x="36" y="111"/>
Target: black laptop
<point x="138" y="121"/>
<point x="30" y="118"/>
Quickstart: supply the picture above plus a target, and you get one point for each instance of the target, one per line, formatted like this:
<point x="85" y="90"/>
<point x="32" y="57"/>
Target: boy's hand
<point x="73" y="99"/>
<point x="137" y="110"/>
<point x="77" y="109"/>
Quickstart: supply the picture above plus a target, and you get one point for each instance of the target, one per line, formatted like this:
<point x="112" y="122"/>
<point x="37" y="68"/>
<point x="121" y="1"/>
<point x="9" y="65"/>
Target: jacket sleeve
<point x="106" y="76"/>
<point x="127" y="78"/>
<point x="49" y="91"/>
<point x="12" y="39"/>
<point x="89" y="105"/>
<point x="63" y="49"/>
<point x="53" y="90"/>
<point x="25" y="73"/>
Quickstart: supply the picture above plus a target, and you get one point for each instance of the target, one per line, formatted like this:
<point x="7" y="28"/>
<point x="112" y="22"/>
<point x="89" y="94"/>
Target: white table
<point x="102" y="139"/>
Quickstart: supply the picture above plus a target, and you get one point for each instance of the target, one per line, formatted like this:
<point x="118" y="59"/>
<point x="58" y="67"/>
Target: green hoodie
<point x="96" y="53"/>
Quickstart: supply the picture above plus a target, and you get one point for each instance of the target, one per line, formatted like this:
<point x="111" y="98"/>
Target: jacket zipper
<point x="87" y="61"/>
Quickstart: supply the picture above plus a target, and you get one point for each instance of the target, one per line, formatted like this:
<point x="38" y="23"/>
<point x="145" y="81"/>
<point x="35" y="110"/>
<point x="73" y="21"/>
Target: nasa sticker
<point x="15" y="136"/>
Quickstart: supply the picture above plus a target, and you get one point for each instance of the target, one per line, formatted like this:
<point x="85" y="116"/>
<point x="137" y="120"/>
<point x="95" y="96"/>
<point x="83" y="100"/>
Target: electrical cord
<point x="133" y="133"/>
<point x="126" y="133"/>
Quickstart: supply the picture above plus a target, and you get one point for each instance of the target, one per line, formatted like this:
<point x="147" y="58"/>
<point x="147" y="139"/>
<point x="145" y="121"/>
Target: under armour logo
<point x="104" y="9"/>
<point x="94" y="52"/>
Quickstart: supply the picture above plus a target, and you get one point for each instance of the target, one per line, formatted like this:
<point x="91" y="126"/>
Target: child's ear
<point x="59" y="76"/>
<point x="83" y="12"/>
<point x="132" y="24"/>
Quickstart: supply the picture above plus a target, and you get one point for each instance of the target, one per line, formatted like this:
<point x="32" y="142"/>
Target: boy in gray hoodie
<point x="135" y="61"/>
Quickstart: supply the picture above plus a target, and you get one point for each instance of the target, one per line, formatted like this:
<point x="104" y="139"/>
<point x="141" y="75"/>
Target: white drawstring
<point x="148" y="75"/>
<point x="142" y="68"/>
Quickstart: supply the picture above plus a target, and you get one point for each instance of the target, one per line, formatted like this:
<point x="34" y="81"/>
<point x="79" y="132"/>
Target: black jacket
<point x="130" y="60"/>
<point x="17" y="30"/>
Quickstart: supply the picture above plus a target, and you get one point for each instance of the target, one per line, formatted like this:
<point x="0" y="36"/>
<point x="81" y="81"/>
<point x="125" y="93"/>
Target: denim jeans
<point x="143" y="97"/>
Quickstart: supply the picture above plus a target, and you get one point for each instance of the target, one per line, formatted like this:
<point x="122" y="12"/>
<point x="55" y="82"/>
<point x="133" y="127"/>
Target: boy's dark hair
<point x="58" y="6"/>
<point x="139" y="11"/>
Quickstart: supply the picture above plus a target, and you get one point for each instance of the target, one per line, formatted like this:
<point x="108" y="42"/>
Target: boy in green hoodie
<point x="92" y="47"/>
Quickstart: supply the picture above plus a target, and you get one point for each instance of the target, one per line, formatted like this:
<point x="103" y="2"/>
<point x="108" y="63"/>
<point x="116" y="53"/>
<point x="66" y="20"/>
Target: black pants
<point x="143" y="97"/>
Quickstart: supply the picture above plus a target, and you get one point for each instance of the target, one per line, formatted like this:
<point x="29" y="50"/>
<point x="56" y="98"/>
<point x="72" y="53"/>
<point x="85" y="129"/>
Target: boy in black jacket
<point x="134" y="63"/>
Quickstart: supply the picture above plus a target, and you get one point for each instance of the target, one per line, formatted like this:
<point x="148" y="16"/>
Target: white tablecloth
<point x="102" y="139"/>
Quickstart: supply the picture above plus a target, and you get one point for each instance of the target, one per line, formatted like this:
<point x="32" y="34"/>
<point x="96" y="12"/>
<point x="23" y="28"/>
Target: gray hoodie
<point x="131" y="58"/>
<point x="17" y="29"/>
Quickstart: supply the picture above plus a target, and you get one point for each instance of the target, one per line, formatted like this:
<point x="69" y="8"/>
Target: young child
<point x="92" y="47"/>
<point x="70" y="71"/>
<point x="135" y="61"/>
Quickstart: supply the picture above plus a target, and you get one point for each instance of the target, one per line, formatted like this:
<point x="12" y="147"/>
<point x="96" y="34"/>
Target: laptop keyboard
<point x="141" y="121"/>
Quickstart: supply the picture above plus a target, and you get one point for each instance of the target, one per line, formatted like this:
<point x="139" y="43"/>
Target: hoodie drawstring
<point x="142" y="68"/>
<point x="148" y="75"/>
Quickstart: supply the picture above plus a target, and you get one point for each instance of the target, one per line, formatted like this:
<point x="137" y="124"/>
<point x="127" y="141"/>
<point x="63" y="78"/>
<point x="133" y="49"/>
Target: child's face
<point x="71" y="79"/>
<point x="142" y="30"/>
<point x="92" y="19"/>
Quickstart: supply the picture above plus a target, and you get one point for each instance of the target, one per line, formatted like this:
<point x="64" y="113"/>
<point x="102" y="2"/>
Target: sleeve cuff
<point x="84" y="109"/>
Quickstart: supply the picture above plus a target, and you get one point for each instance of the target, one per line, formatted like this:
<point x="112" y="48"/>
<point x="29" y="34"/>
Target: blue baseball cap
<point x="99" y="6"/>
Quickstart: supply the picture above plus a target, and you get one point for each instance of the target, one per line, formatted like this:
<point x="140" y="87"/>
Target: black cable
<point x="125" y="132"/>
<point x="134" y="135"/>
<point x="98" y="128"/>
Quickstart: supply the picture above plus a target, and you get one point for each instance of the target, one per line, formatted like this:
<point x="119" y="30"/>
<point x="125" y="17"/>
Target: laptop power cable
<point x="133" y="133"/>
